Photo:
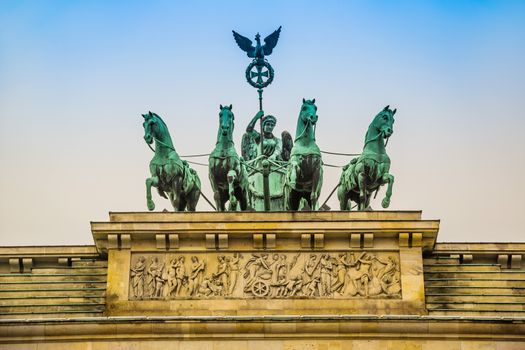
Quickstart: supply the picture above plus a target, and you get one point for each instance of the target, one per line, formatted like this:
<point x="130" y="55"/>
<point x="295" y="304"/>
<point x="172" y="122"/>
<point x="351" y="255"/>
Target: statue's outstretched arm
<point x="251" y="126"/>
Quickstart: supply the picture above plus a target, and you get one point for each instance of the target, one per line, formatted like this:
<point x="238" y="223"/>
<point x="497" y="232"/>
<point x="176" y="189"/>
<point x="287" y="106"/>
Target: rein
<point x="375" y="138"/>
<point x="162" y="143"/>
<point x="308" y="121"/>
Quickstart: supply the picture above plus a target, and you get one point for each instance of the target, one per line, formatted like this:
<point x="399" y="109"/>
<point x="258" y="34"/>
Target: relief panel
<point x="340" y="275"/>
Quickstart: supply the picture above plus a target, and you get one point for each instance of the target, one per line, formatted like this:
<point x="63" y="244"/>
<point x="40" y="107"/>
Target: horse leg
<point x="243" y="200"/>
<point x="294" y="173"/>
<point x="344" y="200"/>
<point x="387" y="178"/>
<point x="241" y="196"/>
<point x="361" y="180"/>
<point x="317" y="182"/>
<point x="294" y="200"/>
<point x="183" y="202"/>
<point x="220" y="198"/>
<point x="231" y="177"/>
<point x="193" y="198"/>
<point x="176" y="194"/>
<point x="151" y="181"/>
<point x="216" y="190"/>
<point x="344" y="189"/>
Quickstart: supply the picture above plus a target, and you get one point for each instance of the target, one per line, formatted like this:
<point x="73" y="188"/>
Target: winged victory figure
<point x="258" y="51"/>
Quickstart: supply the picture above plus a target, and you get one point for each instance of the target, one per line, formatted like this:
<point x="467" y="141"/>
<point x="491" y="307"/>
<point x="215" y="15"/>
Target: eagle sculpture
<point x="258" y="51"/>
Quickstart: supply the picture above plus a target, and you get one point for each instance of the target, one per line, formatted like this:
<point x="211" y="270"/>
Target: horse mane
<point x="162" y="121"/>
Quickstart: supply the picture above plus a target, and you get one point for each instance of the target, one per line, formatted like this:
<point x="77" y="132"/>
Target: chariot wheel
<point x="260" y="289"/>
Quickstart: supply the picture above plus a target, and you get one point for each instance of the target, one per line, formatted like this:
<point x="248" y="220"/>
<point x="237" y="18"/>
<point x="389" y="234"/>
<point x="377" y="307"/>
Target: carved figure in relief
<point x="312" y="276"/>
<point x="277" y="279"/>
<point x="387" y="276"/>
<point x="223" y="273"/>
<point x="360" y="275"/>
<point x="172" y="278"/>
<point x="234" y="271"/>
<point x="137" y="277"/>
<point x="197" y="273"/>
<point x="153" y="272"/>
<point x="180" y="276"/>
<point x="325" y="285"/>
<point x="160" y="282"/>
<point x="341" y="266"/>
<point x="256" y="267"/>
<point x="210" y="286"/>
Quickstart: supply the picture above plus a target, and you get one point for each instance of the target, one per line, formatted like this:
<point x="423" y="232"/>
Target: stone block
<point x="467" y="258"/>
<point x="64" y="261"/>
<point x="210" y="241"/>
<point x="403" y="239"/>
<point x="417" y="239"/>
<point x="160" y="241"/>
<point x="318" y="240"/>
<point x="27" y="264"/>
<point x="355" y="240"/>
<point x="125" y="241"/>
<point x="270" y="240"/>
<point x="515" y="261"/>
<point x="258" y="241"/>
<point x="368" y="241"/>
<point x="173" y="240"/>
<point x="306" y="241"/>
<point x="112" y="241"/>
<point x="222" y="241"/>
<point x="14" y="265"/>
<point x="503" y="260"/>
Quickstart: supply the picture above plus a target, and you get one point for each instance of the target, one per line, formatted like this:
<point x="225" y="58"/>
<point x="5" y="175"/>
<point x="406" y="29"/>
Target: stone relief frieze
<point x="354" y="274"/>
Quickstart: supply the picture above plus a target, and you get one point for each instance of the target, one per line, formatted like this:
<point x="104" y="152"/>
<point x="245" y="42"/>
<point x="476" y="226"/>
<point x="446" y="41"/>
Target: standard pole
<point x="260" y="91"/>
<point x="265" y="163"/>
<point x="266" y="183"/>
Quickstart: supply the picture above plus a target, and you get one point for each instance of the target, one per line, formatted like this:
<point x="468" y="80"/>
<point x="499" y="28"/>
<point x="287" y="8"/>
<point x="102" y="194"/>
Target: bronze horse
<point x="367" y="173"/>
<point x="227" y="174"/>
<point x="304" y="177"/>
<point x="169" y="174"/>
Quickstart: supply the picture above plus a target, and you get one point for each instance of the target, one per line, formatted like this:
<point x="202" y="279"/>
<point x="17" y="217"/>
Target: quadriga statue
<point x="169" y="174"/>
<point x="275" y="152"/>
<point x="368" y="172"/>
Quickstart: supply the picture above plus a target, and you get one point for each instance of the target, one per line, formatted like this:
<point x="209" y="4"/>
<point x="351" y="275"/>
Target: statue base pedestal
<point x="281" y="263"/>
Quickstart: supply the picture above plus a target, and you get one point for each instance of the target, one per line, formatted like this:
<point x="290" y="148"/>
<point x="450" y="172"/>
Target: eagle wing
<point x="270" y="41"/>
<point x="245" y="44"/>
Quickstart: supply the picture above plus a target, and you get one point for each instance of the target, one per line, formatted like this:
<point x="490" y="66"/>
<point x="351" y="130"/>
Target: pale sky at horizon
<point x="75" y="77"/>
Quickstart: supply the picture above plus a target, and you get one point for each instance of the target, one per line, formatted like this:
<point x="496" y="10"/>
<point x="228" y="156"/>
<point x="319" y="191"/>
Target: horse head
<point x="307" y="120"/>
<point x="150" y="127"/>
<point x="308" y="112"/>
<point x="226" y="119"/>
<point x="384" y="122"/>
<point x="156" y="130"/>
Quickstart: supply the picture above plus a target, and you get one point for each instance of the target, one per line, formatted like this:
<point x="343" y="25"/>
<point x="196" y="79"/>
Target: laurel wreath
<point x="254" y="83"/>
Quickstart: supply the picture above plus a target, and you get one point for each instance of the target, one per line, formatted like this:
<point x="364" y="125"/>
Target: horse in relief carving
<point x="304" y="177"/>
<point x="227" y="174"/>
<point x="169" y="174"/>
<point x="368" y="172"/>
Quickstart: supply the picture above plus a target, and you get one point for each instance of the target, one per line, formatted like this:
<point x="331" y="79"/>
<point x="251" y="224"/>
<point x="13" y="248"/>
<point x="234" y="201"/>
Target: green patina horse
<point x="304" y="176"/>
<point x="169" y="174"/>
<point x="367" y="173"/>
<point x="227" y="174"/>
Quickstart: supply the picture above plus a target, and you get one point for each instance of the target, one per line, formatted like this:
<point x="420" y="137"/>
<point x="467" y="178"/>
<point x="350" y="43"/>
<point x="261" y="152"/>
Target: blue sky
<point x="76" y="75"/>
